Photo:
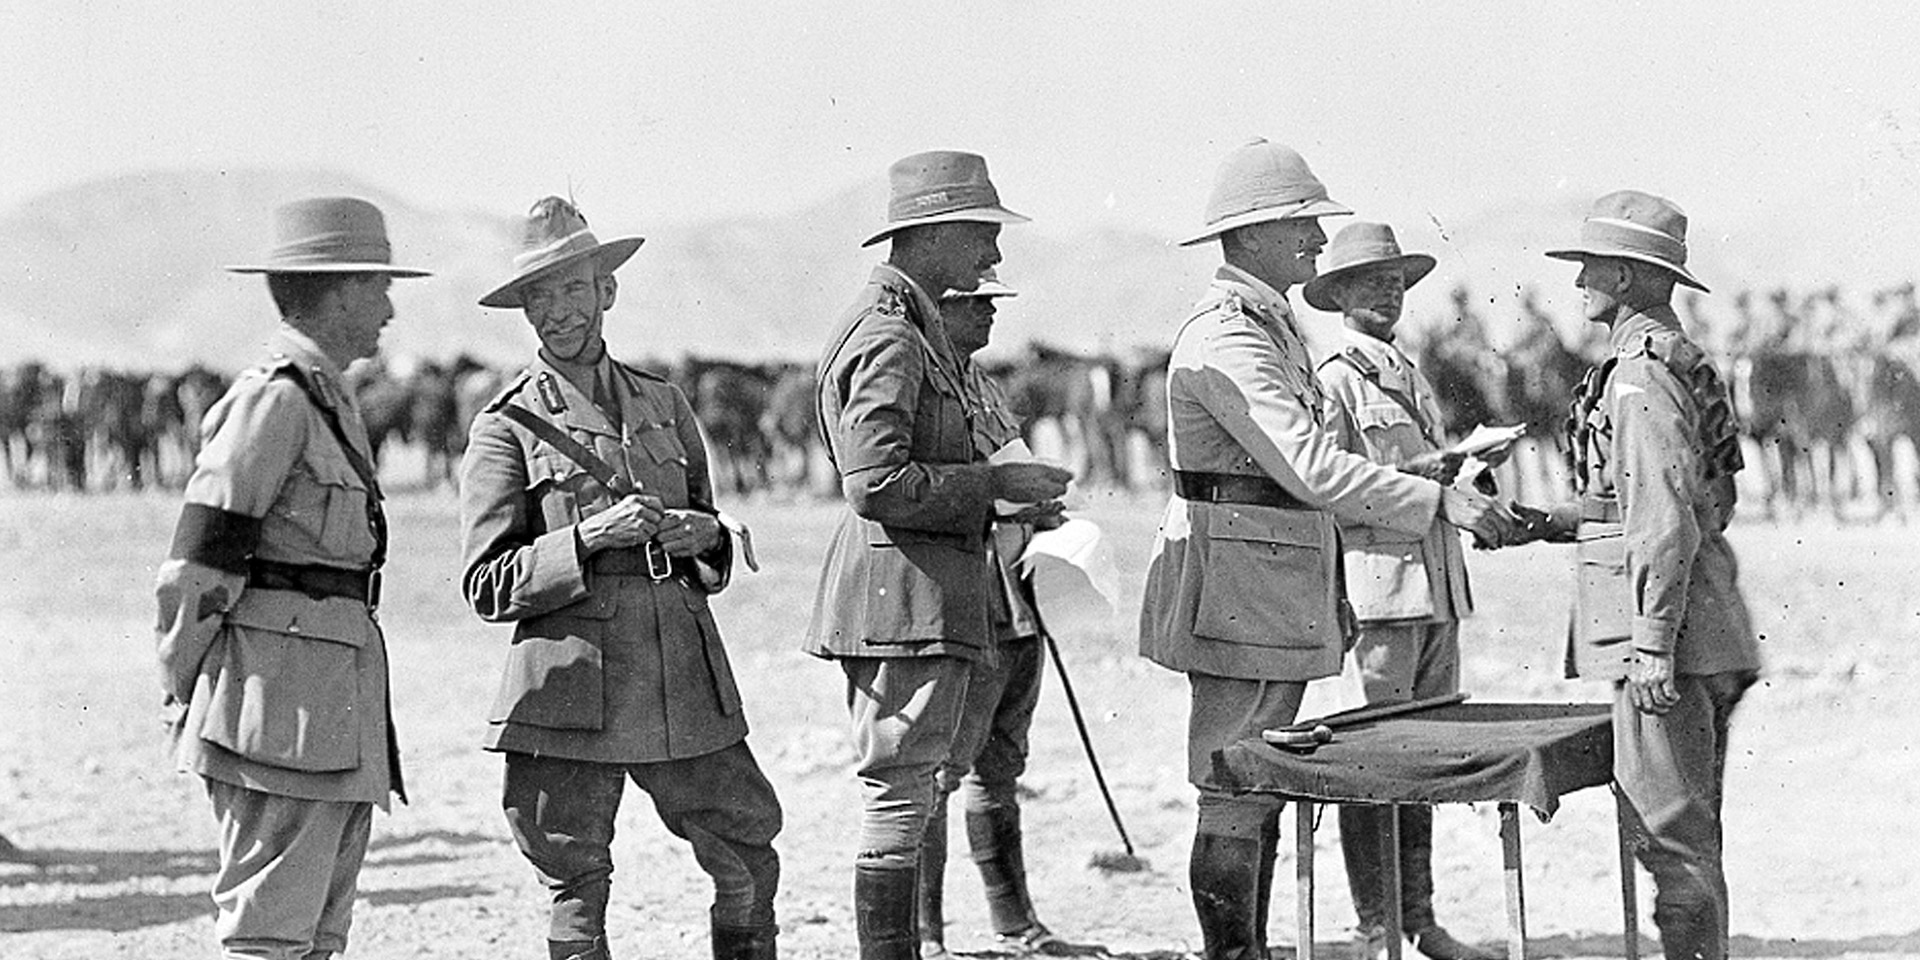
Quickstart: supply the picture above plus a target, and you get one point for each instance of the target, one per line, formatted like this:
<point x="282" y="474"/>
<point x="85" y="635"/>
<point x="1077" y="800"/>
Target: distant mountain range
<point x="127" y="271"/>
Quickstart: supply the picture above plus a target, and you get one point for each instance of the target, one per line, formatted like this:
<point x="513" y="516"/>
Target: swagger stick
<point x="1130" y="862"/>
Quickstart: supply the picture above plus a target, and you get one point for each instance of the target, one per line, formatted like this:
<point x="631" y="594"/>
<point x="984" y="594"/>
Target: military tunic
<point x="606" y="663"/>
<point x="287" y="693"/>
<point x="1238" y="590"/>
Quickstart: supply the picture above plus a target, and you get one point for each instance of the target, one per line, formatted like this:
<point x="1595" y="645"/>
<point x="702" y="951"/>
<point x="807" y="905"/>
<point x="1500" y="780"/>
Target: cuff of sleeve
<point x="215" y="538"/>
<point x="715" y="567"/>
<point x="1654" y="635"/>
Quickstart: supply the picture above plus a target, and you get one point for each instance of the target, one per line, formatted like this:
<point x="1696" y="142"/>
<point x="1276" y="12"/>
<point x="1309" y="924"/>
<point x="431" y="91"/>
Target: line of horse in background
<point x="1828" y="394"/>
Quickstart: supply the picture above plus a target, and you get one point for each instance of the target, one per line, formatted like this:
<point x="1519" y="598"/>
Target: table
<point x="1508" y="753"/>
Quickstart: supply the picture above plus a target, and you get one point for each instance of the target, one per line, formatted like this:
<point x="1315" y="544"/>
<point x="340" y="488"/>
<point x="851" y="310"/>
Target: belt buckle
<point x="660" y="569"/>
<point x="373" y="589"/>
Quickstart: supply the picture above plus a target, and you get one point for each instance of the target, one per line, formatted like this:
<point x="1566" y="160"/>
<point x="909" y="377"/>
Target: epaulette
<point x="632" y="370"/>
<point x="1361" y="362"/>
<point x="891" y="300"/>
<point x="506" y="393"/>
<point x="1673" y="349"/>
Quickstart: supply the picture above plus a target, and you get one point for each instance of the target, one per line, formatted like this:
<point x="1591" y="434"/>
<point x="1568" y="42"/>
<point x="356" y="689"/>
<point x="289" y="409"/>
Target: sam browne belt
<point x="1249" y="489"/>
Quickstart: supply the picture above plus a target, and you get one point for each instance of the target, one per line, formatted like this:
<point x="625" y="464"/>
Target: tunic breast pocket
<point x="662" y="468"/>
<point x="561" y="492"/>
<point x="325" y="498"/>
<point x="1268" y="579"/>
<point x="1392" y="436"/>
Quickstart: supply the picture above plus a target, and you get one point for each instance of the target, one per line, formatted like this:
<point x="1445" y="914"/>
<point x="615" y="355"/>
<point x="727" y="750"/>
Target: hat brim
<point x="386" y="268"/>
<point x="611" y="255"/>
<point x="1000" y="215"/>
<point x="1576" y="254"/>
<point x="1413" y="266"/>
<point x="1311" y="208"/>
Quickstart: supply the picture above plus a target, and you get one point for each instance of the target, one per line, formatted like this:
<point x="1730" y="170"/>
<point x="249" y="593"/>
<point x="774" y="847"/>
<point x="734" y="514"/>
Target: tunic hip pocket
<point x="285" y="700"/>
<point x="1268" y="579"/>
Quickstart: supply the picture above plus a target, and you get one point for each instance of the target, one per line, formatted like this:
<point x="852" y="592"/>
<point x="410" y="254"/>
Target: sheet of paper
<point x="1075" y="580"/>
<point x="1485" y="438"/>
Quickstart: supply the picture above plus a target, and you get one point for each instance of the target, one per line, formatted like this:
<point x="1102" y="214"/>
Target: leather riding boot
<point x="595" y="949"/>
<point x="994" y="836"/>
<point x="744" y="943"/>
<point x="1225" y="876"/>
<point x="933" y="881"/>
<point x="1263" y="892"/>
<point x="883" y="912"/>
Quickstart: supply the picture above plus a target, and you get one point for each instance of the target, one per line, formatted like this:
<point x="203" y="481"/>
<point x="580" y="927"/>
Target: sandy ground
<point x="1824" y="775"/>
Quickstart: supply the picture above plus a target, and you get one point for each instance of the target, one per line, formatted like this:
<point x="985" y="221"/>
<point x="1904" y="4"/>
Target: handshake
<point x="1492" y="523"/>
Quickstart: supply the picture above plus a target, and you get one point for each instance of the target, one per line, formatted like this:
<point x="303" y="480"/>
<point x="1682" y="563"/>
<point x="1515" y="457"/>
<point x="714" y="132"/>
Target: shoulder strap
<point x="570" y="448"/>
<point x="376" y="514"/>
<point x="1366" y="368"/>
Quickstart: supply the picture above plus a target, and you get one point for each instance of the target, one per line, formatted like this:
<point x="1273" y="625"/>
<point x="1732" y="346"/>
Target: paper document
<point x="1074" y="577"/>
<point x="1485" y="438"/>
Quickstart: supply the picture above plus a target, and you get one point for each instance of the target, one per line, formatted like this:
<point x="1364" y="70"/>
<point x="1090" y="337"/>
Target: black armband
<point x="216" y="538"/>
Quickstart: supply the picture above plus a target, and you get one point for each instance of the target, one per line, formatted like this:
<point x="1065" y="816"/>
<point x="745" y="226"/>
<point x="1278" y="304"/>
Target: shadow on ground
<point x="58" y="866"/>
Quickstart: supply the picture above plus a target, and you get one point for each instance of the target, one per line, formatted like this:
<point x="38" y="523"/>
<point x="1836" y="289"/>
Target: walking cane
<point x="1129" y="862"/>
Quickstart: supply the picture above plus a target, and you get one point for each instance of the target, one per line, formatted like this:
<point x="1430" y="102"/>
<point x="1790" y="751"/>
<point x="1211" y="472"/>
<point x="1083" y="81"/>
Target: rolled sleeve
<point x="1657" y="477"/>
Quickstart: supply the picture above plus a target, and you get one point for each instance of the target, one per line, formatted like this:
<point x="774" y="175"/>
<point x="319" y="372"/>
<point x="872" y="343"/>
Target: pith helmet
<point x="329" y="235"/>
<point x="1359" y="245"/>
<point x="941" y="186"/>
<point x="1259" y="182"/>
<point x="555" y="236"/>
<point x="1635" y="226"/>
<point x="990" y="286"/>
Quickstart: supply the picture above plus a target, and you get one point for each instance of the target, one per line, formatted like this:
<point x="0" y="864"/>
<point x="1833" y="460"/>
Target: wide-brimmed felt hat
<point x="329" y="235"/>
<point x="941" y="186"/>
<point x="1359" y="245"/>
<point x="990" y="286"/>
<point x="1263" y="181"/>
<point x="1635" y="226"/>
<point x="555" y="236"/>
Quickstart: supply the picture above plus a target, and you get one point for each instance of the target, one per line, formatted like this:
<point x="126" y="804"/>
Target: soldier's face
<point x="1371" y="298"/>
<point x="969" y="322"/>
<point x="361" y="309"/>
<point x="1601" y="282"/>
<point x="967" y="251"/>
<point x="1287" y="250"/>
<point x="567" y="309"/>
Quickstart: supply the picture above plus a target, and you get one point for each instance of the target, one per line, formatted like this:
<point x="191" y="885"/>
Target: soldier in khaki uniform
<point x="588" y="522"/>
<point x="903" y="600"/>
<point x="990" y="744"/>
<point x="1408" y="592"/>
<point x="1658" y="610"/>
<point x="268" y="646"/>
<point x="1243" y="591"/>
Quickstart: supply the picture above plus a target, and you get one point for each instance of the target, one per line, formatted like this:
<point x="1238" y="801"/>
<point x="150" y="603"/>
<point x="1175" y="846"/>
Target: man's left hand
<point x="1046" y="515"/>
<point x="688" y="533"/>
<point x="1650" y="683"/>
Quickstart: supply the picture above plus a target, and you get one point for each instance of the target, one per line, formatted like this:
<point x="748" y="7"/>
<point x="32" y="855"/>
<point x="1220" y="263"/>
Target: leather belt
<point x="316" y="581"/>
<point x="1600" y="509"/>
<point x="650" y="561"/>
<point x="1249" y="489"/>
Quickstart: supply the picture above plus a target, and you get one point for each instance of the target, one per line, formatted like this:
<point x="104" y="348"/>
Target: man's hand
<point x="1041" y="516"/>
<point x="688" y="533"/>
<point x="1029" y="482"/>
<point x="1650" y="682"/>
<point x="1440" y="466"/>
<point x="1471" y="510"/>
<point x="630" y="522"/>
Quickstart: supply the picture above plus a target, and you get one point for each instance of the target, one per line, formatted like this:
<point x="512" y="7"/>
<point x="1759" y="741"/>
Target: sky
<point x="1426" y="115"/>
